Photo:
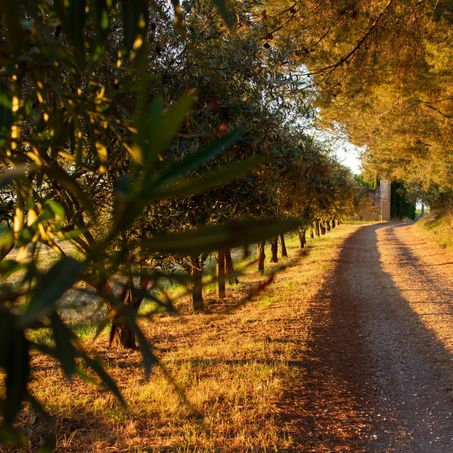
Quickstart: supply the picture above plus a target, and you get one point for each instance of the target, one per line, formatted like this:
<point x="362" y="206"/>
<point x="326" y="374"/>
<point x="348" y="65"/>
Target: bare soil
<point x="379" y="373"/>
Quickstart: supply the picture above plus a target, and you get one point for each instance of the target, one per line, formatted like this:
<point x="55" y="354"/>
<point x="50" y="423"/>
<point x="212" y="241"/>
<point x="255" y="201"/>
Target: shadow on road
<point x="366" y="384"/>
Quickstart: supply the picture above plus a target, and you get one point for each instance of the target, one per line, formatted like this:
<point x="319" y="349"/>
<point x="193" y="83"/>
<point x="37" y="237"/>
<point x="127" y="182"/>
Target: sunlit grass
<point x="438" y="226"/>
<point x="233" y="369"/>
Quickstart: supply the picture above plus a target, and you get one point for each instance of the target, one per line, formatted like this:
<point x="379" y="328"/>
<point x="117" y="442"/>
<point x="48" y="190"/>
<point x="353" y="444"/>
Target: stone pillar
<point x="385" y="188"/>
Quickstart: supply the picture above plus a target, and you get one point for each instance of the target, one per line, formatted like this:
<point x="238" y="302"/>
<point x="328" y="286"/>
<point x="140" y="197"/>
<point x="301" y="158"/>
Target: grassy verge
<point x="233" y="367"/>
<point x="437" y="226"/>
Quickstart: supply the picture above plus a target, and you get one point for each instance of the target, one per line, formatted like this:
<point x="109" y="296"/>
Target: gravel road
<point x="411" y="367"/>
<point x="383" y="339"/>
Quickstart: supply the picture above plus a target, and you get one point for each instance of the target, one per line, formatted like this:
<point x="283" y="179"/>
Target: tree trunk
<point x="261" y="257"/>
<point x="312" y="234"/>
<point x="221" y="274"/>
<point x="323" y="230"/>
<point x="197" y="283"/>
<point x="282" y="241"/>
<point x="334" y="223"/>
<point x="274" y="250"/>
<point x="317" y="228"/>
<point x="122" y="335"/>
<point x="328" y="225"/>
<point x="232" y="279"/>
<point x="302" y="238"/>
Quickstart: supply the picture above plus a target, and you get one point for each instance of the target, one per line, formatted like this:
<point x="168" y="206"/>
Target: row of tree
<point x="146" y="135"/>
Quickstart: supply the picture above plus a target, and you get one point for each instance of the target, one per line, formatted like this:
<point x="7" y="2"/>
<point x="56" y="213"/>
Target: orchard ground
<point x="349" y="349"/>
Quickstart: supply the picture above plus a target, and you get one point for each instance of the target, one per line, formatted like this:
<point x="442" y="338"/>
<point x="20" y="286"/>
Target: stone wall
<point x="369" y="208"/>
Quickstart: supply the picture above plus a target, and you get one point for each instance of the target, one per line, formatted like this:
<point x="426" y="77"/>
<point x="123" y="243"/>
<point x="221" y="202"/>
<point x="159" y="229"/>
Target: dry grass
<point x="437" y="226"/>
<point x="234" y="368"/>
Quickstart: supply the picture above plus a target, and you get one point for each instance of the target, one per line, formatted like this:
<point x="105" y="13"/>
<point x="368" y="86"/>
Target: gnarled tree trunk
<point x="328" y="225"/>
<point x="334" y="223"/>
<point x="221" y="274"/>
<point x="232" y="279"/>
<point x="317" y="228"/>
<point x="302" y="238"/>
<point x="283" y="244"/>
<point x="323" y="230"/>
<point x="312" y="234"/>
<point x="274" y="250"/>
<point x="261" y="257"/>
<point x="196" y="274"/>
<point x="122" y="336"/>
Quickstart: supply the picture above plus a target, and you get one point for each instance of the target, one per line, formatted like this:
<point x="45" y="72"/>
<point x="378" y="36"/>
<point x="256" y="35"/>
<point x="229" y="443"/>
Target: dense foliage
<point x="119" y="121"/>
<point x="400" y="207"/>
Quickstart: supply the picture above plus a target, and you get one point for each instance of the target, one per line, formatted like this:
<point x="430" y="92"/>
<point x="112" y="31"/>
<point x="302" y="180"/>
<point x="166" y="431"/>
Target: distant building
<point x="376" y="204"/>
<point x="385" y="196"/>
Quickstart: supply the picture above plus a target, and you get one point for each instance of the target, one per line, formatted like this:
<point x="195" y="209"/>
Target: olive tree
<point x="84" y="137"/>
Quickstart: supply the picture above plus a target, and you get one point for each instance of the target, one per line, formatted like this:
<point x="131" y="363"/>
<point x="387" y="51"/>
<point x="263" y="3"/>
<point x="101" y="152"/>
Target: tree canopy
<point x="382" y="69"/>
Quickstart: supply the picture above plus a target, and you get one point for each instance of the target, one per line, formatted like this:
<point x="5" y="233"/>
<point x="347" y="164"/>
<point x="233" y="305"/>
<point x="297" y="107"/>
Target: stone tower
<point x="385" y="188"/>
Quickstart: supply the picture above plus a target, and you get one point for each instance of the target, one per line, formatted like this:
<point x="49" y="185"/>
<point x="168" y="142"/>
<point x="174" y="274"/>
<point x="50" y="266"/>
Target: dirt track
<point x="379" y="375"/>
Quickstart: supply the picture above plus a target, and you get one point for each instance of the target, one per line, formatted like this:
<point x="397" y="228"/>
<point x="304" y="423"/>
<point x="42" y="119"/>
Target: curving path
<point x="379" y="373"/>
